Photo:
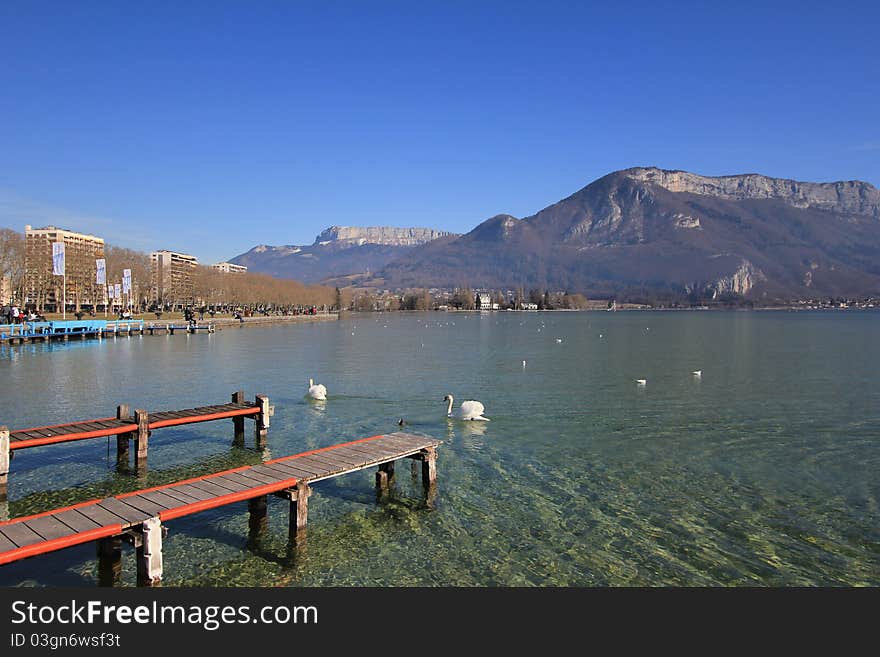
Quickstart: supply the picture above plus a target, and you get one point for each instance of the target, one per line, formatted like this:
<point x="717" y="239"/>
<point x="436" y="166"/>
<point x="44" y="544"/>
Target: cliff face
<point x="338" y="251"/>
<point x="851" y="197"/>
<point x="387" y="235"/>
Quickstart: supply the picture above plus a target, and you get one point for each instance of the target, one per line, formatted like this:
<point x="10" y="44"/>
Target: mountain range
<point x="339" y="251"/>
<point x="649" y="232"/>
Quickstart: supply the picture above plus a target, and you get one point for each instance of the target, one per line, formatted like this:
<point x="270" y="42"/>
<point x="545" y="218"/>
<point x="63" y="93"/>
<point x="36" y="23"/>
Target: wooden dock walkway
<point x="138" y="516"/>
<point x="137" y="427"/>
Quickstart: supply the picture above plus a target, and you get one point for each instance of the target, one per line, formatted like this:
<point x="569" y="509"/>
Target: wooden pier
<point x="181" y="328"/>
<point x="138" y="428"/>
<point x="137" y="517"/>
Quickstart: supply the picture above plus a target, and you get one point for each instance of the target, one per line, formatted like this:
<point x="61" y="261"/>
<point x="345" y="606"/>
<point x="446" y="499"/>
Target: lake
<point x="763" y="471"/>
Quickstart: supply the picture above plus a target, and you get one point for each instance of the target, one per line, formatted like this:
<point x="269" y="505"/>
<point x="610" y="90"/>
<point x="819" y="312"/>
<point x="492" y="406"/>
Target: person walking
<point x="16" y="315"/>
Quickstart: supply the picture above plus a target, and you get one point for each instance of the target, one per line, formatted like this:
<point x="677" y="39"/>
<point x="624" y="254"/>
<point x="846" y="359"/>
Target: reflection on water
<point x="760" y="472"/>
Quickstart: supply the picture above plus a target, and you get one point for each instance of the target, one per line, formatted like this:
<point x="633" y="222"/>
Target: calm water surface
<point x="762" y="472"/>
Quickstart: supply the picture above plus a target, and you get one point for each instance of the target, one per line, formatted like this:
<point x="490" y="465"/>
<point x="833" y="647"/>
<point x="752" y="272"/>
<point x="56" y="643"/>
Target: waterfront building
<point x="43" y="289"/>
<point x="172" y="278"/>
<point x="229" y="268"/>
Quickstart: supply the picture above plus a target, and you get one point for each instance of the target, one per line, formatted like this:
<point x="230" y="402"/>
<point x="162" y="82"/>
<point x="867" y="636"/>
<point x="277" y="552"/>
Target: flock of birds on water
<point x="469" y="410"/>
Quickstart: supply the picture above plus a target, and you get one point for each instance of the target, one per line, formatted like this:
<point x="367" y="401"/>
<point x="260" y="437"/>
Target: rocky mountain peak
<point x="850" y="197"/>
<point x="384" y="235"/>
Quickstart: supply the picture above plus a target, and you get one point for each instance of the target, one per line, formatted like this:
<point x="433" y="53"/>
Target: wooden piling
<point x="122" y="439"/>
<point x="4" y="462"/>
<point x="257" y="515"/>
<point x="429" y="474"/>
<point x="384" y="480"/>
<point x="299" y="511"/>
<point x="429" y="466"/>
<point x="110" y="561"/>
<point x="261" y="421"/>
<point x="149" y="553"/>
<point x="142" y="439"/>
<point x="238" y="422"/>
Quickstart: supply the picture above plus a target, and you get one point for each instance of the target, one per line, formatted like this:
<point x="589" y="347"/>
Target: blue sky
<point x="210" y="127"/>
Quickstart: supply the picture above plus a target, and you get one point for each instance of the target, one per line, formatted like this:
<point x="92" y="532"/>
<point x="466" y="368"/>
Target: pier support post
<point x="429" y="474"/>
<point x="149" y="553"/>
<point x="110" y="561"/>
<point x="299" y="512"/>
<point x="142" y="440"/>
<point x="122" y="439"/>
<point x="4" y="462"/>
<point x="257" y="515"/>
<point x="384" y="480"/>
<point x="261" y="421"/>
<point x="238" y="422"/>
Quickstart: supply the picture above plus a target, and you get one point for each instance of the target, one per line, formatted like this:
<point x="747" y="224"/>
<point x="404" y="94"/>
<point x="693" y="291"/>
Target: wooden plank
<point x="299" y="473"/>
<point x="5" y="544"/>
<point x="214" y="489"/>
<point x="375" y="452"/>
<point x="356" y="455"/>
<point x="128" y="513"/>
<point x="281" y="469"/>
<point x="298" y="463"/>
<point x="160" y="497"/>
<point x="268" y="476"/>
<point x="179" y="495"/>
<point x="142" y="504"/>
<point x="49" y="527"/>
<point x="314" y="463"/>
<point x="99" y="515"/>
<point x="197" y="493"/>
<point x="337" y="460"/>
<point x="21" y="534"/>
<point x="329" y="466"/>
<point x="76" y="520"/>
<point x="242" y="477"/>
<point x="236" y="484"/>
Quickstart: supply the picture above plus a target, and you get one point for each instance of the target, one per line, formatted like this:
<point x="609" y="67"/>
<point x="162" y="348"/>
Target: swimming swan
<point x="469" y="410"/>
<point x="317" y="391"/>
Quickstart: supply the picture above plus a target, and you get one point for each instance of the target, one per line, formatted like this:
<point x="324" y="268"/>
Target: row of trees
<point x="465" y="299"/>
<point x="206" y="286"/>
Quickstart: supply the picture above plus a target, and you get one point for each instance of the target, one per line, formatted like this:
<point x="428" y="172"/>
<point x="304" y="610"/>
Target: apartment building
<point x="172" y="277"/>
<point x="229" y="268"/>
<point x="45" y="290"/>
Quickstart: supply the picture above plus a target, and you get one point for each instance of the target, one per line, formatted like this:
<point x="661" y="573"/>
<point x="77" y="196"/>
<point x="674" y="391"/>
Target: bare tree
<point x="12" y="262"/>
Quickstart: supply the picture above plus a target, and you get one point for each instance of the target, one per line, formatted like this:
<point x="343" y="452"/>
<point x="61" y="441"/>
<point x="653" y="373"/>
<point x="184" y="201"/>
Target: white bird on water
<point x="524" y="363"/>
<point x="469" y="410"/>
<point x="317" y="391"/>
<point x="558" y="339"/>
<point x="697" y="373"/>
<point x="642" y="382"/>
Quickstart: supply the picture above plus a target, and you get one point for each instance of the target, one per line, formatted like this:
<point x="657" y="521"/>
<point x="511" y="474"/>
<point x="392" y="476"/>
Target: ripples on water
<point x="761" y="472"/>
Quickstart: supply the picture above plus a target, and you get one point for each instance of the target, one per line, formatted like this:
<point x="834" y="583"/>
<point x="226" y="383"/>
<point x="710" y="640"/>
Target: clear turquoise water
<point x="762" y="472"/>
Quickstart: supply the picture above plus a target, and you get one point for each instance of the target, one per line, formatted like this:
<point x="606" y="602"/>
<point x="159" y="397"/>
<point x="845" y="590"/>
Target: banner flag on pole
<point x="117" y="292"/>
<point x="109" y="291"/>
<point x="58" y="258"/>
<point x="126" y="280"/>
<point x="101" y="275"/>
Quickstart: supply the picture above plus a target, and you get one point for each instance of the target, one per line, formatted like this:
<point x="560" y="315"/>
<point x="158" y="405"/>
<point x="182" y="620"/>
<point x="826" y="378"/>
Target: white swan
<point x="317" y="391"/>
<point x="469" y="410"/>
<point x="697" y="373"/>
<point x="642" y="382"/>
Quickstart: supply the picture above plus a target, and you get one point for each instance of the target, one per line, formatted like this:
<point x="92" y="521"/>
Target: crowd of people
<point x="12" y="314"/>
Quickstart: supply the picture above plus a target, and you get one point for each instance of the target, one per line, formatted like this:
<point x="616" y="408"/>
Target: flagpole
<point x="64" y="285"/>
